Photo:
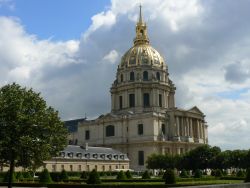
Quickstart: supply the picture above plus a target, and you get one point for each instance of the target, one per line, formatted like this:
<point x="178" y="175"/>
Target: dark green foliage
<point x="240" y="173"/>
<point x="6" y="177"/>
<point x="31" y="131"/>
<point x="44" y="177"/>
<point x="170" y="176"/>
<point x="218" y="173"/>
<point x="94" y="178"/>
<point x="128" y="174"/>
<point x="213" y="172"/>
<point x="27" y="175"/>
<point x="102" y="174"/>
<point x="247" y="179"/>
<point x="197" y="173"/>
<point x="55" y="176"/>
<point x="121" y="176"/>
<point x="19" y="176"/>
<point x="64" y="176"/>
<point x="184" y="174"/>
<point x="146" y="175"/>
<point x="84" y="175"/>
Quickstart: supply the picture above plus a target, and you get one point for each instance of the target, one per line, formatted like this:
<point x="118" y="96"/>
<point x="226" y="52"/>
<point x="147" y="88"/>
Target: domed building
<point x="143" y="119"/>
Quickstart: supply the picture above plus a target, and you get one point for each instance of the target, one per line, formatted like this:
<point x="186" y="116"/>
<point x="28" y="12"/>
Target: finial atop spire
<point x="141" y="31"/>
<point x="140" y="16"/>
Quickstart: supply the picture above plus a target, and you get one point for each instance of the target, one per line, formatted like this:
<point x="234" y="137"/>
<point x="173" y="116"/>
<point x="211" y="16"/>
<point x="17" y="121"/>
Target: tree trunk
<point x="11" y="172"/>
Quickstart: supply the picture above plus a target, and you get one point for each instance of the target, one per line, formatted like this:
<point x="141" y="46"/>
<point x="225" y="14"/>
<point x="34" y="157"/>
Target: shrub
<point x="64" y="176"/>
<point x="6" y="177"/>
<point x="128" y="174"/>
<point x="94" y="178"/>
<point x="19" y="176"/>
<point x="84" y="175"/>
<point x="184" y="174"/>
<point x="170" y="176"/>
<point x="218" y="173"/>
<point x="146" y="175"/>
<point x="240" y="173"/>
<point x="44" y="177"/>
<point x="121" y="176"/>
<point x="197" y="173"/>
<point x="247" y="179"/>
<point x="27" y="175"/>
<point x="213" y="172"/>
<point x="55" y="176"/>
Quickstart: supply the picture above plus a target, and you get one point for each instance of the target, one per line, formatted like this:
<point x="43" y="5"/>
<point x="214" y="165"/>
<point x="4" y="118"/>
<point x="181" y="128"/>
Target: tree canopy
<point x="202" y="157"/>
<point x="31" y="132"/>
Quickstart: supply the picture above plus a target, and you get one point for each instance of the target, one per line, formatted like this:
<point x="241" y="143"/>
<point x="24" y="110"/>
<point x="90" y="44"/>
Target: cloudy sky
<point x="69" y="51"/>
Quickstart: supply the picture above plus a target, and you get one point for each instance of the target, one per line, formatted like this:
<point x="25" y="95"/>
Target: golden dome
<point x="141" y="53"/>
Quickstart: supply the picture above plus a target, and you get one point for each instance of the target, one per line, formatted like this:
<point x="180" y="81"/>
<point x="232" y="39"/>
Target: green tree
<point x="184" y="174"/>
<point x="128" y="174"/>
<point x="64" y="175"/>
<point x="84" y="175"/>
<point x="19" y="176"/>
<point x="170" y="177"/>
<point x="247" y="178"/>
<point x="30" y="132"/>
<point x="121" y="176"/>
<point x="197" y="173"/>
<point x="44" y="177"/>
<point x="145" y="175"/>
<point x="94" y="178"/>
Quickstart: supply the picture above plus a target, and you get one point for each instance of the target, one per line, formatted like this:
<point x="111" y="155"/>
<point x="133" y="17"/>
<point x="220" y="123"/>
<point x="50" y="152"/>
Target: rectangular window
<point x="160" y="100"/>
<point x="110" y="130"/>
<point x="146" y="100"/>
<point x="141" y="158"/>
<point x="87" y="136"/>
<point x="140" y="129"/>
<point x="163" y="129"/>
<point x="88" y="169"/>
<point x="79" y="168"/>
<point x="120" y="102"/>
<point x="131" y="100"/>
<point x="53" y="168"/>
<point x="62" y="167"/>
<point x="71" y="168"/>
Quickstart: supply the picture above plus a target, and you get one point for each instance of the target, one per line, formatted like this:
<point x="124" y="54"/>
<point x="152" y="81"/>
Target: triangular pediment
<point x="195" y="109"/>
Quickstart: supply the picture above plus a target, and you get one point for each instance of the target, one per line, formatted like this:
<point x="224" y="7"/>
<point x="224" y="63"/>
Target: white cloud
<point x="111" y="57"/>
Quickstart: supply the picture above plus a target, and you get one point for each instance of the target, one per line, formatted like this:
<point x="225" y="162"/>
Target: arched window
<point x="121" y="77"/>
<point x="145" y="75"/>
<point x="158" y="76"/>
<point x="110" y="130"/>
<point x="132" y="76"/>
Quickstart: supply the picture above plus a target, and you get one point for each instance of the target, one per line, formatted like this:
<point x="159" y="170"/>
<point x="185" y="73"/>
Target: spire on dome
<point x="141" y="31"/>
<point x="140" y="16"/>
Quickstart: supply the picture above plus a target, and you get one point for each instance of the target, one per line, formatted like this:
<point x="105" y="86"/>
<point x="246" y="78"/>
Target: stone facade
<point x="143" y="119"/>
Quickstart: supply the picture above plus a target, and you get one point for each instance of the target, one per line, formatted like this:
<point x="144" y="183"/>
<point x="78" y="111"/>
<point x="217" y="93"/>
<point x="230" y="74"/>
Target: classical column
<point x="198" y="128"/>
<point x="177" y="126"/>
<point x="187" y="127"/>
<point x="191" y="127"/>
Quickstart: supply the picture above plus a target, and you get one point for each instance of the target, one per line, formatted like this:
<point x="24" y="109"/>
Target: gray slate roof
<point x="92" y="153"/>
